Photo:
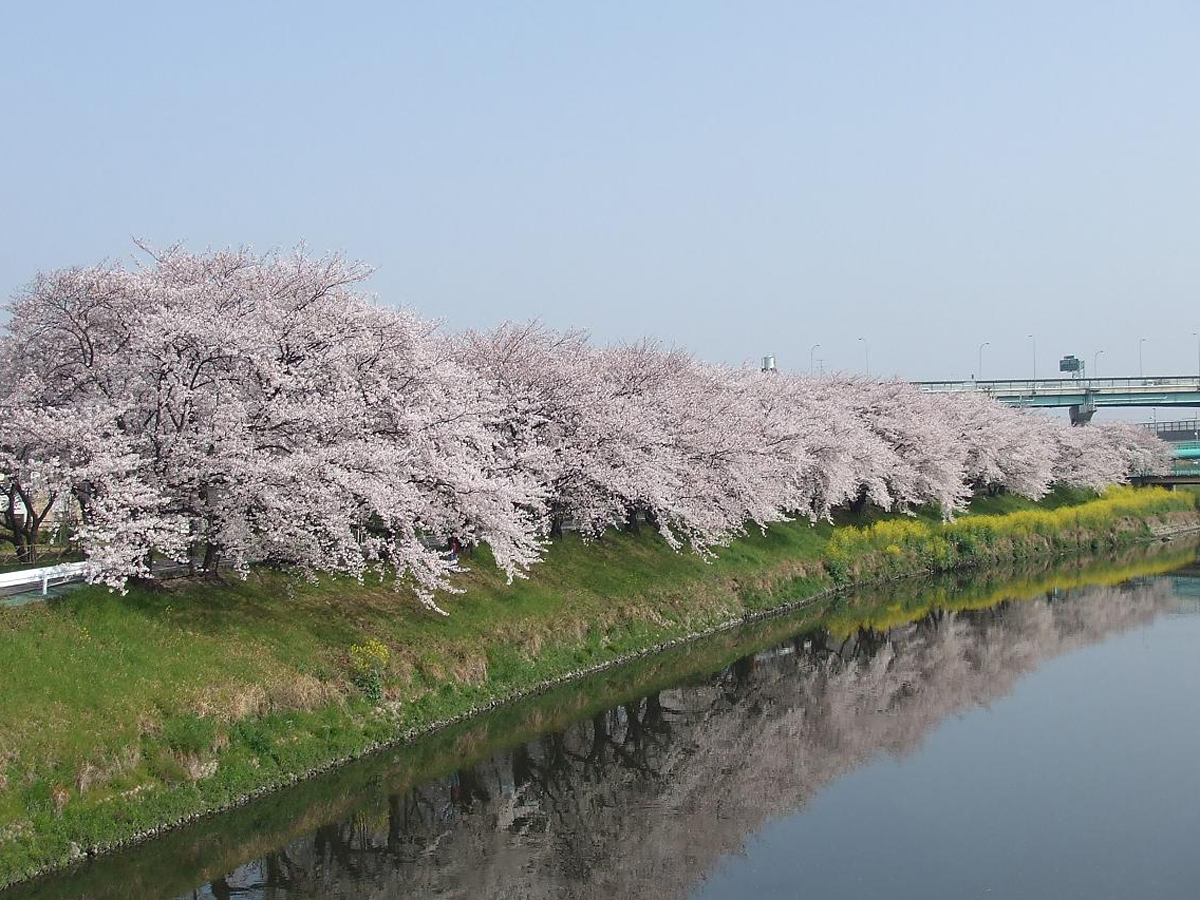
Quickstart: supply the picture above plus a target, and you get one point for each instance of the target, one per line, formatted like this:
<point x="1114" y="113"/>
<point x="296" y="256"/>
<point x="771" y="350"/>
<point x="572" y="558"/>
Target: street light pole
<point x="1034" y="340"/>
<point x="1196" y="335"/>
<point x="811" y="370"/>
<point x="866" y="355"/>
<point x="1141" y="368"/>
<point x="1096" y="363"/>
<point x="979" y="371"/>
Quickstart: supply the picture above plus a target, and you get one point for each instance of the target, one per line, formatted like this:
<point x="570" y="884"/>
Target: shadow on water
<point x="635" y="782"/>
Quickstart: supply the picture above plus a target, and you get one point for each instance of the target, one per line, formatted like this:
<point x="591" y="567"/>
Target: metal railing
<point x="1062" y="385"/>
<point x="30" y="579"/>
<point x="1181" y="426"/>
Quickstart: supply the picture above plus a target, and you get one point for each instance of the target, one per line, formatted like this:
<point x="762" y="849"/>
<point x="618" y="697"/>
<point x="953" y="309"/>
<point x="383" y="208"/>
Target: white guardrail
<point x="31" y="579"/>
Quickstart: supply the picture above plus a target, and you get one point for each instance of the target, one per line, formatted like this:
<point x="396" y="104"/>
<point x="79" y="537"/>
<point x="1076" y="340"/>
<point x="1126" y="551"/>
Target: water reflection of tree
<point x="642" y="799"/>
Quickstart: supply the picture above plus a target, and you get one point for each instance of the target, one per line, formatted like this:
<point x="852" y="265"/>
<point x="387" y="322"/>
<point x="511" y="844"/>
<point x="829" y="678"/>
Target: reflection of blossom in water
<point x="643" y="800"/>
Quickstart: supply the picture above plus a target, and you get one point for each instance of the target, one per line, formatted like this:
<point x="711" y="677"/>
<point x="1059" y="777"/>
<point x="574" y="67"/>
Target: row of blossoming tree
<point x="228" y="408"/>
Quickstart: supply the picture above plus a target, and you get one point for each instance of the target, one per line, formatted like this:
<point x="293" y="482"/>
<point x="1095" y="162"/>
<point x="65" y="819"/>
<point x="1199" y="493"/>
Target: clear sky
<point x="738" y="178"/>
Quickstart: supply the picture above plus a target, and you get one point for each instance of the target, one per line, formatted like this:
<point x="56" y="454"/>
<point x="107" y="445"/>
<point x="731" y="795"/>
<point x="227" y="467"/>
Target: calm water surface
<point x="1036" y="738"/>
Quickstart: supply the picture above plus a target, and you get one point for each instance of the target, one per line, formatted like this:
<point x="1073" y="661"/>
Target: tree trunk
<point x="25" y="553"/>
<point x="860" y="502"/>
<point x="211" y="556"/>
<point x="23" y="520"/>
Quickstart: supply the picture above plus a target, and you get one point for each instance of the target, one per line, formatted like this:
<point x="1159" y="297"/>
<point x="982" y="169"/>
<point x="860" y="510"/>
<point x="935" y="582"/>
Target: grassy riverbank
<point x="124" y="713"/>
<point x="365" y="791"/>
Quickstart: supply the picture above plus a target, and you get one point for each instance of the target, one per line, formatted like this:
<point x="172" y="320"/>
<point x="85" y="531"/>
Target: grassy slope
<point x="122" y="713"/>
<point x="175" y="863"/>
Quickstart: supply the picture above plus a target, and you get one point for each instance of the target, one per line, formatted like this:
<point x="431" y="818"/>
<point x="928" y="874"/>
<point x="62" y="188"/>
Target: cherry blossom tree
<point x="1141" y="452"/>
<point x="275" y="416"/>
<point x="28" y="490"/>
<point x="232" y="409"/>
<point x="1006" y="449"/>
<point x="925" y="459"/>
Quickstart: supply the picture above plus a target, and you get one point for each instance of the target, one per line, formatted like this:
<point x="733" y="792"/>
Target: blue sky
<point x="736" y="178"/>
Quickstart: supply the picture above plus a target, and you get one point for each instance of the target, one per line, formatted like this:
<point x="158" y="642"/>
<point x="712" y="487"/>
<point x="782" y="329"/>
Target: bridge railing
<point x="1060" y="385"/>
<point x="1180" y="426"/>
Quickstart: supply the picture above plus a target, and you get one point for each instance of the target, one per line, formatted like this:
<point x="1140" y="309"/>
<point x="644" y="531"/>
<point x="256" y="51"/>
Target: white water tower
<point x="768" y="364"/>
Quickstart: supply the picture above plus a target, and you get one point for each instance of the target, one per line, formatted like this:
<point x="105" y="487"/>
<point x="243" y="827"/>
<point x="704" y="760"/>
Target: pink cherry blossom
<point x="233" y="409"/>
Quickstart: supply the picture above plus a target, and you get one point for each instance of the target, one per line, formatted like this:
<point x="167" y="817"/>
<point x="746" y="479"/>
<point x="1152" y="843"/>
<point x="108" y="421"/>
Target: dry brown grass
<point x="245" y="702"/>
<point x="234" y="703"/>
<point x="469" y="668"/>
<point x="108" y="768"/>
<point x="532" y="642"/>
<point x="87" y="776"/>
<point x="196" y="767"/>
<point x="303" y="693"/>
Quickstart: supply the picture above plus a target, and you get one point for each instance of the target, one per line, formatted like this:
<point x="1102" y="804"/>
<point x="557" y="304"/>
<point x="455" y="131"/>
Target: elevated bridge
<point x="1081" y="396"/>
<point x="1187" y="450"/>
<point x="1184" y="438"/>
<point x="1181" y="432"/>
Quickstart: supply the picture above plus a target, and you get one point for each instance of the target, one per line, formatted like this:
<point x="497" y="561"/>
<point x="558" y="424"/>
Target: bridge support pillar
<point x="1082" y="413"/>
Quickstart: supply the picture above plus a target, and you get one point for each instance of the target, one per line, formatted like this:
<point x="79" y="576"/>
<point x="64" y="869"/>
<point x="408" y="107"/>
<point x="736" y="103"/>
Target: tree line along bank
<point x="227" y="408"/>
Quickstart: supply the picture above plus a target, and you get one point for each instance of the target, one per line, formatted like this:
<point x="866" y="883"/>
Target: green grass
<point x="120" y="713"/>
<point x="173" y="864"/>
<point x="896" y="547"/>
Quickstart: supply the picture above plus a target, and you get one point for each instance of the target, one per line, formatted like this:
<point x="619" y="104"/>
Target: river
<point x="1019" y="734"/>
